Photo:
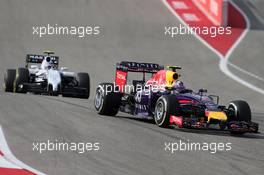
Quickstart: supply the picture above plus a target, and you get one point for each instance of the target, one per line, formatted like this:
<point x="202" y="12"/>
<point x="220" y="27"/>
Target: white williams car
<point x="42" y="75"/>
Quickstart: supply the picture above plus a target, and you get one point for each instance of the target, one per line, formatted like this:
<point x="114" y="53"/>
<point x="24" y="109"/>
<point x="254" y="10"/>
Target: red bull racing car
<point x="164" y="98"/>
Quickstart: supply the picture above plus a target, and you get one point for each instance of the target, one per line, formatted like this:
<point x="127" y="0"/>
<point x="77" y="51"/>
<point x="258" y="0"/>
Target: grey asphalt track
<point x="254" y="41"/>
<point x="132" y="30"/>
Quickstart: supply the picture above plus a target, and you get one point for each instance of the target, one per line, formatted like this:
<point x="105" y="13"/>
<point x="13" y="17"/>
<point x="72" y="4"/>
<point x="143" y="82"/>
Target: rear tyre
<point x="9" y="79"/>
<point x="22" y="76"/>
<point x="166" y="106"/>
<point x="107" y="100"/>
<point x="84" y="82"/>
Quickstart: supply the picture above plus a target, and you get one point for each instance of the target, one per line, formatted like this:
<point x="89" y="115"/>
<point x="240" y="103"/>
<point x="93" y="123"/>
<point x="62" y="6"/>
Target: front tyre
<point x="166" y="106"/>
<point x="240" y="111"/>
<point x="83" y="80"/>
<point x="107" y="100"/>
<point x="9" y="78"/>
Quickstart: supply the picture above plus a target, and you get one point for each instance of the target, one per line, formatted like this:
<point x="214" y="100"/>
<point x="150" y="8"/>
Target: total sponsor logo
<point x="142" y="65"/>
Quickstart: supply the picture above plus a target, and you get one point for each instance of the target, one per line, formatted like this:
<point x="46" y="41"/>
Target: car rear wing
<point x="127" y="66"/>
<point x="37" y="59"/>
<point x="124" y="67"/>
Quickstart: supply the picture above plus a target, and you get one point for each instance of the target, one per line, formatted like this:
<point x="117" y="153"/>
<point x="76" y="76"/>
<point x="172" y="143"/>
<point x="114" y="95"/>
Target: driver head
<point x="47" y="63"/>
<point x="178" y="85"/>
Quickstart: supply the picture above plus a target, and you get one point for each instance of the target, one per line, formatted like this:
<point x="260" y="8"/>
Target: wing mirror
<point x="202" y="90"/>
<point x="214" y="98"/>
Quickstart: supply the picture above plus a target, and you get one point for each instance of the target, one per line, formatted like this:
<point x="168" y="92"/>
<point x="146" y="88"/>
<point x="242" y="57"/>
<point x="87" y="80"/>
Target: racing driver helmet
<point x="47" y="63"/>
<point x="178" y="85"/>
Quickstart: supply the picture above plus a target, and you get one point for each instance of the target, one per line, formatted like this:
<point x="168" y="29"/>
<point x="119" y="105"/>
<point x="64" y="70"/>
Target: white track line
<point x="6" y="164"/>
<point x="246" y="72"/>
<point x="224" y="59"/>
<point x="11" y="158"/>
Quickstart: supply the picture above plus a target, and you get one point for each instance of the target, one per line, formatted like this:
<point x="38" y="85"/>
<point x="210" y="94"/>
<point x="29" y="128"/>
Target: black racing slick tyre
<point x="241" y="110"/>
<point x="22" y="76"/>
<point x="83" y="80"/>
<point x="9" y="79"/>
<point x="107" y="99"/>
<point x="166" y="106"/>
